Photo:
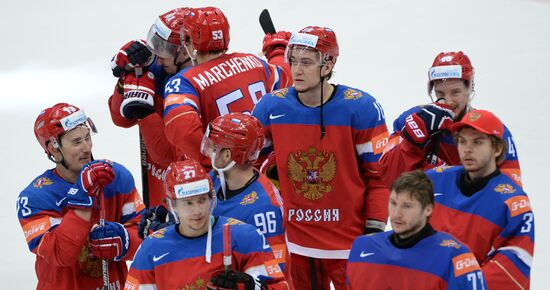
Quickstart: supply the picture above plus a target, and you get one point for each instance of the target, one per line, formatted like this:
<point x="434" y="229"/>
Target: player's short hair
<point x="497" y="142"/>
<point x="417" y="184"/>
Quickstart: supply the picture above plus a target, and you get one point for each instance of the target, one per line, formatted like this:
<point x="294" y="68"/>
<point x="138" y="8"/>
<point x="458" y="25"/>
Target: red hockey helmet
<point x="238" y="132"/>
<point x="53" y="122"/>
<point x="482" y="121"/>
<point x="450" y="65"/>
<point x="207" y="29"/>
<point x="164" y="35"/>
<point x="321" y="39"/>
<point x="185" y="179"/>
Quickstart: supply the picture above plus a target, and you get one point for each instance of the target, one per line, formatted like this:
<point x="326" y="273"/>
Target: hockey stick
<point x="104" y="264"/>
<point x="227" y="247"/>
<point x="143" y="157"/>
<point x="267" y="23"/>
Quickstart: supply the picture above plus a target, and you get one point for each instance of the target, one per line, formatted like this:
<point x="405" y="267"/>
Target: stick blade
<point x="266" y="22"/>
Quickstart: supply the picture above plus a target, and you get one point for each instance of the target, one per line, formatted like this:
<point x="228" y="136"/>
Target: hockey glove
<point x="232" y="280"/>
<point x="154" y="219"/>
<point x="275" y="44"/>
<point x="93" y="176"/>
<point x="131" y="54"/>
<point x="374" y="226"/>
<point x="138" y="97"/>
<point x="421" y="126"/>
<point x="109" y="242"/>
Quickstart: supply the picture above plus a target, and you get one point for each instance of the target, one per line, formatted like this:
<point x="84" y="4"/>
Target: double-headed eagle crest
<point x="310" y="172"/>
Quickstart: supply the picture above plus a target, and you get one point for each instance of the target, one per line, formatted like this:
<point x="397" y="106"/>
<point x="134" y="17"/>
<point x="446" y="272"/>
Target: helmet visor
<point x="159" y="45"/>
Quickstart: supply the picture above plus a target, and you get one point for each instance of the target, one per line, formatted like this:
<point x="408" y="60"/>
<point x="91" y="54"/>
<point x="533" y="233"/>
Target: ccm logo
<point x="414" y="126"/>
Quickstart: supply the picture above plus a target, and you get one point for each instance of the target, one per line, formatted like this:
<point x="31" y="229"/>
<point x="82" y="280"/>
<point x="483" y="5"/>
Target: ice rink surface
<point x="54" y="51"/>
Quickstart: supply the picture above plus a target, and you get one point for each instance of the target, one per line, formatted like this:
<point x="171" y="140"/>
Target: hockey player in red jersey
<point x="143" y="68"/>
<point x="421" y="137"/>
<point x="59" y="210"/>
<point x="483" y="207"/>
<point x="327" y="140"/>
<point x="233" y="143"/>
<point x="218" y="83"/>
<point x="190" y="253"/>
<point x="391" y="260"/>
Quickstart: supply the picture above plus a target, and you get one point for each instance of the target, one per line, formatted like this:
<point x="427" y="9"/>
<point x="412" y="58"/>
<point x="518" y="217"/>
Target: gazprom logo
<point x="446" y="72"/>
<point x="73" y="120"/>
<point x="192" y="188"/>
<point x="304" y="39"/>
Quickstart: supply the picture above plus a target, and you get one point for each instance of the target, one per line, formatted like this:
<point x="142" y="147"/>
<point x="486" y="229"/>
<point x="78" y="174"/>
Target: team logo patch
<point x="474" y="116"/>
<point x="505" y="188"/>
<point x="42" y="181"/>
<point x="351" y="94"/>
<point x="89" y="265"/>
<point x="199" y="284"/>
<point x="440" y="169"/>
<point x="158" y="234"/>
<point x="249" y="198"/>
<point x="311" y="172"/>
<point x="280" y="93"/>
<point x="232" y="221"/>
<point x="450" y="244"/>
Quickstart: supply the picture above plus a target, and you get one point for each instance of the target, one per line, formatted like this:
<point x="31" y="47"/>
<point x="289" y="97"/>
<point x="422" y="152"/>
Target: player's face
<point x="167" y="62"/>
<point x="194" y="214"/>
<point x="455" y="93"/>
<point x="305" y="68"/>
<point x="407" y="216"/>
<point x="76" y="147"/>
<point x="477" y="152"/>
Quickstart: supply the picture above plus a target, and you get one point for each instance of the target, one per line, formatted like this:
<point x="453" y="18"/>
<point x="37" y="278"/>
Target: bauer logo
<point x="446" y="72"/>
<point x="304" y="39"/>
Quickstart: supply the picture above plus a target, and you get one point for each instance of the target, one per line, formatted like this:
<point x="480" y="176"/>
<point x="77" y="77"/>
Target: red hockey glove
<point x="131" y="54"/>
<point x="110" y="241"/>
<point x="138" y="96"/>
<point x="93" y="176"/>
<point x="421" y="126"/>
<point x="275" y="44"/>
<point x="231" y="280"/>
<point x="96" y="174"/>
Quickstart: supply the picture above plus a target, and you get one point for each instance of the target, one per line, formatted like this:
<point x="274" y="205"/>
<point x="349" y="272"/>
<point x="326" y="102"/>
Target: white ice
<point x="59" y="50"/>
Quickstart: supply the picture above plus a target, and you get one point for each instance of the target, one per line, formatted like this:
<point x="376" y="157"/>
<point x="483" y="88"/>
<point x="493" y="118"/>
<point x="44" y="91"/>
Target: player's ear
<point x="327" y="68"/>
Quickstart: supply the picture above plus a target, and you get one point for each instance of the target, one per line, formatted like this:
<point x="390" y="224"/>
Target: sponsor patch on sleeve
<point x="465" y="263"/>
<point x="273" y="269"/>
<point x="35" y="228"/>
<point x="518" y="205"/>
<point x="380" y="141"/>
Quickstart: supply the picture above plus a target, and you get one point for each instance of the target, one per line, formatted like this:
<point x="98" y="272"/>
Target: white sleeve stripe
<point x="364" y="148"/>
<point x="522" y="254"/>
<point x="128" y="209"/>
<point x="148" y="287"/>
<point x="55" y="221"/>
<point x="276" y="75"/>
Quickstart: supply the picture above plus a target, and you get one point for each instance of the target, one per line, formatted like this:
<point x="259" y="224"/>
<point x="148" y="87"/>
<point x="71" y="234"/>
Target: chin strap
<point x="221" y="174"/>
